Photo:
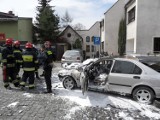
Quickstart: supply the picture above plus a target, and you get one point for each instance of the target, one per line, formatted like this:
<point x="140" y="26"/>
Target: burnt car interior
<point x="98" y="68"/>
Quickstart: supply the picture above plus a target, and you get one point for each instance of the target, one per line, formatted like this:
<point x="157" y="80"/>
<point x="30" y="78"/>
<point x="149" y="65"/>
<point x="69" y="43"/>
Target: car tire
<point x="69" y="83"/>
<point x="143" y="95"/>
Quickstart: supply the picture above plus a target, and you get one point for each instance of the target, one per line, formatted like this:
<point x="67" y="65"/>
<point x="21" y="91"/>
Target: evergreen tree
<point x="46" y="21"/>
<point x="122" y="38"/>
<point x="77" y="44"/>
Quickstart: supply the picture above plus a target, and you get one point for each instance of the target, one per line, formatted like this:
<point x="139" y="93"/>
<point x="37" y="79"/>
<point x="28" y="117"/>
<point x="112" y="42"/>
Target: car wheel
<point x="69" y="83"/>
<point x="143" y="95"/>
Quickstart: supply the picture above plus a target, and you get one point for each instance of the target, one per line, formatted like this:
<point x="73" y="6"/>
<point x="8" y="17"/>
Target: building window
<point x="92" y="38"/>
<point x="102" y="46"/>
<point x="69" y="35"/>
<point x="92" y="48"/>
<point x="157" y="45"/>
<point x="87" y="48"/>
<point x="87" y="39"/>
<point x="131" y="15"/>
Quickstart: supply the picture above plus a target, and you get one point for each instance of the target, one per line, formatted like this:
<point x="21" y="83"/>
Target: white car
<point x="125" y="76"/>
<point x="72" y="56"/>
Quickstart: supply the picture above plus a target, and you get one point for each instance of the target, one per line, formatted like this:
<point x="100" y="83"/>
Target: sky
<point x="86" y="12"/>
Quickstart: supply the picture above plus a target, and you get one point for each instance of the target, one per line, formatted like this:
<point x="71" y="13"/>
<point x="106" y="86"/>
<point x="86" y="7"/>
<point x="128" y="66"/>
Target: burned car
<point x="125" y="76"/>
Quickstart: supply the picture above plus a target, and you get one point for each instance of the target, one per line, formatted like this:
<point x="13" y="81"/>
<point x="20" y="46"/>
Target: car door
<point x="123" y="76"/>
<point x="100" y="66"/>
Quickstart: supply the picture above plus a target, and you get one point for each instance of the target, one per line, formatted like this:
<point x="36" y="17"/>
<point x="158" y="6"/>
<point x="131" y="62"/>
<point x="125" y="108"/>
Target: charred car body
<point x="127" y="76"/>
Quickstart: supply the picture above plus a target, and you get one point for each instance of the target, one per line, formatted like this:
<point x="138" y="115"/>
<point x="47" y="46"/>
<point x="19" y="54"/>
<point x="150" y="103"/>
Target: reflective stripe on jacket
<point x="18" y="55"/>
<point x="29" y="60"/>
<point x="8" y="57"/>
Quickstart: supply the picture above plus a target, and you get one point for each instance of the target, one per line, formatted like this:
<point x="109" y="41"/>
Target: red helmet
<point x="9" y="41"/>
<point x="16" y="42"/>
<point x="28" y="45"/>
<point x="47" y="43"/>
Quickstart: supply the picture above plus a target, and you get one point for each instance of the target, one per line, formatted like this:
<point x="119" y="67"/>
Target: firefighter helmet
<point x="9" y="41"/>
<point x="17" y="42"/>
<point x="28" y="45"/>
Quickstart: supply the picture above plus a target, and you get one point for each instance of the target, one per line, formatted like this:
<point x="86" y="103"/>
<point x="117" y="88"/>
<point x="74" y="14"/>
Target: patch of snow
<point x="28" y="95"/>
<point x="72" y="111"/>
<point x="89" y="60"/>
<point x="73" y="66"/>
<point x="89" y="99"/>
<point x="13" y="104"/>
<point x="20" y="111"/>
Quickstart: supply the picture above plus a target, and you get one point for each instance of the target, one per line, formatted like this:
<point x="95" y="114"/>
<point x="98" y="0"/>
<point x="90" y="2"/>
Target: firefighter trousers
<point x="47" y="76"/>
<point x="28" y="75"/>
<point x="9" y="75"/>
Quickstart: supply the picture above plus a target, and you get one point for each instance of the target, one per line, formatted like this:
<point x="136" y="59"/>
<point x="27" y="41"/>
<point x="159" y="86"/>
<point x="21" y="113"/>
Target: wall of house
<point x="73" y="36"/>
<point x="112" y="20"/>
<point x="131" y="29"/>
<point x="25" y="29"/>
<point x="148" y="24"/>
<point x="9" y="28"/>
<point x="93" y="31"/>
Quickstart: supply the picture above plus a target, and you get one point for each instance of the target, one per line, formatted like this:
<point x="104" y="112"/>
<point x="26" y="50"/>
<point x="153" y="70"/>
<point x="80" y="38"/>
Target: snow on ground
<point x="28" y="95"/>
<point x="13" y="104"/>
<point x="94" y="99"/>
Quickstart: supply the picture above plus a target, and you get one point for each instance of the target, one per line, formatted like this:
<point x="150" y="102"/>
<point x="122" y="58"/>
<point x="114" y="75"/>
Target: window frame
<point x="87" y="39"/>
<point x="132" y="69"/>
<point x="87" y="48"/>
<point x="131" y="15"/>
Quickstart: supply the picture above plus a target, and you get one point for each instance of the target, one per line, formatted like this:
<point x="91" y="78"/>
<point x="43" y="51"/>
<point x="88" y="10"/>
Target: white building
<point x="112" y="18"/>
<point x="143" y="26"/>
<point x="88" y="43"/>
<point x="68" y="37"/>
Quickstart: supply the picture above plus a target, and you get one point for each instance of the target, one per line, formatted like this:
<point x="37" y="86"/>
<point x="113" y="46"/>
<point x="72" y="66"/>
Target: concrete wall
<point x="112" y="20"/>
<point x="148" y="24"/>
<point x="25" y="29"/>
<point x="9" y="29"/>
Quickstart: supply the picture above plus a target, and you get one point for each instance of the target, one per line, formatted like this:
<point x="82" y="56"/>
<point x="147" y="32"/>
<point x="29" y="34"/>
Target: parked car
<point x="124" y="76"/>
<point x="72" y="56"/>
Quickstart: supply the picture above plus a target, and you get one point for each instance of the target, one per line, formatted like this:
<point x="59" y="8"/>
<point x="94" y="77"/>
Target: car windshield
<point x="71" y="53"/>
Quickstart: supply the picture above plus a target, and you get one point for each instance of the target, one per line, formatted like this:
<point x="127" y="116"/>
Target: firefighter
<point x="18" y="55"/>
<point x="48" y="64"/>
<point x="8" y="63"/>
<point x="29" y="65"/>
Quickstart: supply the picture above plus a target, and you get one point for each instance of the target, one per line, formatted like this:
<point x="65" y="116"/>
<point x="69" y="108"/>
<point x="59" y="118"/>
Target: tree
<point x="66" y="20"/>
<point x="122" y="38"/>
<point x="46" y="21"/>
<point x="78" y="26"/>
<point x="77" y="44"/>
